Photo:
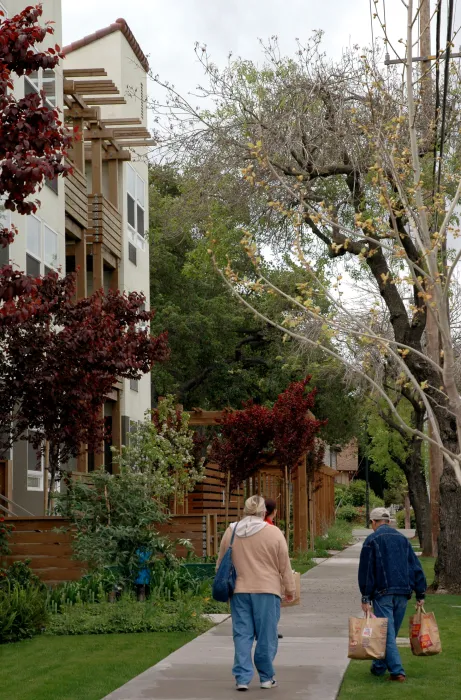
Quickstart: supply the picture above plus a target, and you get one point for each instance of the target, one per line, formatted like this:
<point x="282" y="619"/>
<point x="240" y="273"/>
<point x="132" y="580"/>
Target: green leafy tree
<point x="162" y="448"/>
<point x="114" y="517"/>
<point x="238" y="357"/>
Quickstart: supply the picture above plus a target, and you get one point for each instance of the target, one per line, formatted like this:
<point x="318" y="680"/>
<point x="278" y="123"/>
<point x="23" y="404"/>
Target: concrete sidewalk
<point x="312" y="656"/>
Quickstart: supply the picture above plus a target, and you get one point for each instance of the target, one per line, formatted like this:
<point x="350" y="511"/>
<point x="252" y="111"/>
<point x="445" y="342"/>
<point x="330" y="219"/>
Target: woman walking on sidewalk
<point x="260" y="557"/>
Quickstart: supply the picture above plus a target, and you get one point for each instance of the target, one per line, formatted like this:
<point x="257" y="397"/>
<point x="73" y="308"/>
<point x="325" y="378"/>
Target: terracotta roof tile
<point x="119" y="25"/>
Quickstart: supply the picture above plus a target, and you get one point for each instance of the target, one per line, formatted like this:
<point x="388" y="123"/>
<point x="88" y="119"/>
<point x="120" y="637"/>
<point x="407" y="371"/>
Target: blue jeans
<point x="393" y="607"/>
<point x="254" y="615"/>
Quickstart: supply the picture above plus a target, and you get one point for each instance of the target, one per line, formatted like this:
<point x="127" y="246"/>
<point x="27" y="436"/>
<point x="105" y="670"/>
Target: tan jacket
<point x="261" y="561"/>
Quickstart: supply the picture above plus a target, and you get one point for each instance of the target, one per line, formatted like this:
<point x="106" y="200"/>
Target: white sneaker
<point x="267" y="685"/>
<point x="241" y="686"/>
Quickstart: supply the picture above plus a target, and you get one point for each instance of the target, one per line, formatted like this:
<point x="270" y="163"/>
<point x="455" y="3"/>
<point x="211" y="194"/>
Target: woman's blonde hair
<point x="255" y="505"/>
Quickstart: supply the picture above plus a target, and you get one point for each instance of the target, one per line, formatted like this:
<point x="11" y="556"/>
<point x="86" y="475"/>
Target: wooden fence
<point x="312" y="497"/>
<point x="50" y="552"/>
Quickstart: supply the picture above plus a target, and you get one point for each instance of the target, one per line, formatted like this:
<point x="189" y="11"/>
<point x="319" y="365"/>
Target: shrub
<point x="23" y="612"/>
<point x="355" y="494"/>
<point x="349" y="513"/>
<point x="92" y="588"/>
<point x="128" y="616"/>
<point x="19" y="574"/>
<point x="114" y="517"/>
<point x="338" y="536"/>
<point x="400" y="518"/>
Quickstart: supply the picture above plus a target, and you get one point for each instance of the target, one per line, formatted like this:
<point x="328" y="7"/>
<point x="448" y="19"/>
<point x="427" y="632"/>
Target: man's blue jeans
<point x="393" y="607"/>
<point x="254" y="615"/>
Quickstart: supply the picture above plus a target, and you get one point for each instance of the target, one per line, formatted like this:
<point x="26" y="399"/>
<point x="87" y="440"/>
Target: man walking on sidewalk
<point x="389" y="572"/>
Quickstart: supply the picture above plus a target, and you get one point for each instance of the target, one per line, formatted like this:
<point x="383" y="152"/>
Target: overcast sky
<point x="168" y="29"/>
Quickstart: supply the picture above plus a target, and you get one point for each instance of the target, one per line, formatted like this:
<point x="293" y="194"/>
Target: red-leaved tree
<point x="33" y="140"/>
<point x="60" y="358"/>
<point x="257" y="434"/>
<point x="252" y="436"/>
<point x="294" y="426"/>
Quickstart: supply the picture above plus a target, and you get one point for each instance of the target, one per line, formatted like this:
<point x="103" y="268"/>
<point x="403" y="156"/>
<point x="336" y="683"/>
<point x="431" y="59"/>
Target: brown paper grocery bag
<point x="297" y="598"/>
<point x="424" y="634"/>
<point x="367" y="637"/>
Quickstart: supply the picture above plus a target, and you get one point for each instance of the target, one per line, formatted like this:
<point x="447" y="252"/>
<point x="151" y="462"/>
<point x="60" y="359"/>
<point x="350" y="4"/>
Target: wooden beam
<point x="78" y="145"/>
<point x="110" y="259"/>
<point x="96" y="158"/>
<point x="90" y="134"/>
<point x="83" y="72"/>
<point x="115" y="279"/>
<point x="139" y="143"/>
<point x="131" y="131"/>
<point x="98" y="267"/>
<point x="303" y="517"/>
<point x="99" y="454"/>
<point x="72" y="229"/>
<point x="110" y="155"/>
<point x="121" y="122"/>
<point x="90" y="114"/>
<point x="106" y="101"/>
<point x="80" y="266"/>
<point x="82" y="460"/>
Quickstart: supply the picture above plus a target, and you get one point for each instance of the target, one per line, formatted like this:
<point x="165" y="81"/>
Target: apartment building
<point x="94" y="222"/>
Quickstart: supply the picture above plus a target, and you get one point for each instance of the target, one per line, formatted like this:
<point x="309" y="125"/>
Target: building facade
<point x="94" y="222"/>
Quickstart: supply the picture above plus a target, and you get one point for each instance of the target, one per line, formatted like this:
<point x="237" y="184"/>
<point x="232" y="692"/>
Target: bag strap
<point x="233" y="535"/>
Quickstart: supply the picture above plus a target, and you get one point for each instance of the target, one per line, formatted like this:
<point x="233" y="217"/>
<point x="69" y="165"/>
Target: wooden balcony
<point x="77" y="198"/>
<point x="104" y="224"/>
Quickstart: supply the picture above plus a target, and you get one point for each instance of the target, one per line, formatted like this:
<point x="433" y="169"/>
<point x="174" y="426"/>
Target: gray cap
<point x="380" y="514"/>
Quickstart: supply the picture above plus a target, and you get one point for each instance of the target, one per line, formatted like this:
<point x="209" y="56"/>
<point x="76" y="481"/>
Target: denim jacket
<point x="389" y="566"/>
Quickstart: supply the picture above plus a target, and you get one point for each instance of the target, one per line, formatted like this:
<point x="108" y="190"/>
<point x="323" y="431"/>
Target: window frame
<point x="42" y="262"/>
<point x="39" y="88"/>
<point x="138" y="238"/>
<point x="36" y="473"/>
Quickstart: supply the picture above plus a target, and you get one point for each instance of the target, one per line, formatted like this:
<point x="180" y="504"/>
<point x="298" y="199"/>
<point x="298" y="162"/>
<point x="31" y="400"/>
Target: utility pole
<point x="367" y="492"/>
<point x="432" y="331"/>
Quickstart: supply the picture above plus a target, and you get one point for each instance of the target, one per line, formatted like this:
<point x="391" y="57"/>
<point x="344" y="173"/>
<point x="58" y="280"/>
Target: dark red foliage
<point x="245" y="437"/>
<point x="33" y="140"/>
<point x="295" y="428"/>
<point x="60" y="358"/>
<point x="255" y="435"/>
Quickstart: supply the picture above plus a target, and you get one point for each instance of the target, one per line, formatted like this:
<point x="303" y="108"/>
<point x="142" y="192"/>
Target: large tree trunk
<point x="448" y="565"/>
<point x="419" y="497"/>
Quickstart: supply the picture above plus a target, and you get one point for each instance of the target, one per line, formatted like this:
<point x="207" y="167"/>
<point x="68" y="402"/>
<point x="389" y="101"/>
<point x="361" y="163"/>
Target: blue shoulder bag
<point x="226" y="576"/>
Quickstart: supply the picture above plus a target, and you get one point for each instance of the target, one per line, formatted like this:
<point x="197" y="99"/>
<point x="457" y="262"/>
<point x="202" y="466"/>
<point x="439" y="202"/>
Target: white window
<point x="35" y="469"/>
<point x="43" y="79"/>
<point x="41" y="247"/>
<point x="5" y="214"/>
<point x="51" y="248"/>
<point x="136" y="207"/>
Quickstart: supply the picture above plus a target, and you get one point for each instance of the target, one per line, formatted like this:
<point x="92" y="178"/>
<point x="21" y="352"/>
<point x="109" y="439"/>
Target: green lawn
<point x="86" y="667"/>
<point x="427" y="678"/>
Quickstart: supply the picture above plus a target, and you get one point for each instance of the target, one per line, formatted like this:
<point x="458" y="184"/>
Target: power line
<point x="371" y="25"/>
<point x="437" y="93"/>
<point x="445" y="87"/>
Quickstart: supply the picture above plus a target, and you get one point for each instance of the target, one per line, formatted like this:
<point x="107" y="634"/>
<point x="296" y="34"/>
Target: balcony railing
<point x="76" y="197"/>
<point x="104" y="224"/>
